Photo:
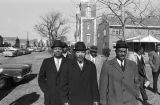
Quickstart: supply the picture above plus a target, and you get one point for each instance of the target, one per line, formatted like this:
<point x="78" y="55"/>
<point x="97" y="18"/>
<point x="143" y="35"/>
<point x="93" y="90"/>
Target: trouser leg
<point x="155" y="78"/>
<point x="142" y="90"/>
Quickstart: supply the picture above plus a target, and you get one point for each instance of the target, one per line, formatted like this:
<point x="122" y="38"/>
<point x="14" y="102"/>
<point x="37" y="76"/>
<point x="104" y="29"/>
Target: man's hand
<point x="95" y="103"/>
<point x="66" y="103"/>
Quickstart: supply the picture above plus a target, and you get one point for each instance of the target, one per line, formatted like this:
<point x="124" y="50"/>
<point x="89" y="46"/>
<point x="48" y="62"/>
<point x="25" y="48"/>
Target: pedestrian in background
<point x="96" y="58"/>
<point x="138" y="58"/>
<point x="106" y="52"/>
<point x="66" y="52"/>
<point x="79" y="80"/>
<point x="119" y="79"/>
<point x="49" y="74"/>
<point x="154" y="61"/>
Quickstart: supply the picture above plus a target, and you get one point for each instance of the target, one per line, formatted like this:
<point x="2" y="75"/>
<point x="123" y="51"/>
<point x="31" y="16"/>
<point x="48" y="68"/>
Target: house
<point x="149" y="26"/>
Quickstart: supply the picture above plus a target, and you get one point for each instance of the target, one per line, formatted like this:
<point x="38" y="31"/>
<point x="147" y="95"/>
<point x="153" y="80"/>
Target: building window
<point x="117" y="31"/>
<point x="88" y="38"/>
<point x="98" y="35"/>
<point x="104" y="32"/>
<point x="88" y="12"/>
<point x="113" y="31"/>
<point x="88" y="26"/>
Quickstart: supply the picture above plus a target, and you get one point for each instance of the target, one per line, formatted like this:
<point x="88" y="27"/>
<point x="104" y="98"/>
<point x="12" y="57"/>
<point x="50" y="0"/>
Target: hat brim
<point x="93" y="50"/>
<point x="56" y="46"/>
<point x="120" y="47"/>
<point x="80" y="49"/>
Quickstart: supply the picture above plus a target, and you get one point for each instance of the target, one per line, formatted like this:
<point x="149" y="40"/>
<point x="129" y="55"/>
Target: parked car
<point x="31" y="49"/>
<point x="19" y="52"/>
<point x="25" y="51"/>
<point x="10" y="53"/>
<point x="13" y="73"/>
<point x="38" y="49"/>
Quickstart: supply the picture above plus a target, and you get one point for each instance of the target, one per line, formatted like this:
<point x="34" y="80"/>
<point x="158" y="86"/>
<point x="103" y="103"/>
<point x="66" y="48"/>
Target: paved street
<point x="28" y="92"/>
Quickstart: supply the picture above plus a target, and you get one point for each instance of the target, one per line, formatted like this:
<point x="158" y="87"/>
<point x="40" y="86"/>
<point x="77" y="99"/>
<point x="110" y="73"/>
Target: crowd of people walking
<point x="81" y="78"/>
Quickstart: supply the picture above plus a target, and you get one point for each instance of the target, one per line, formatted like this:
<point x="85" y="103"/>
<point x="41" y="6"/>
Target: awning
<point x="148" y="38"/>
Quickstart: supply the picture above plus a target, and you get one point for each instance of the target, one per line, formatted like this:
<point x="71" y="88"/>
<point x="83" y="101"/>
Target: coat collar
<point x="76" y="66"/>
<point x="53" y="63"/>
<point x="117" y="66"/>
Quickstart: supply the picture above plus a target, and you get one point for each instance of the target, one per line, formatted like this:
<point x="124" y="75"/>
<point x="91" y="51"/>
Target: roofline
<point x="135" y="27"/>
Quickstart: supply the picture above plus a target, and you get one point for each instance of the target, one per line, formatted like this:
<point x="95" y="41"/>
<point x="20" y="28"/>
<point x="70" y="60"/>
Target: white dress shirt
<point x="57" y="62"/>
<point x="119" y="62"/>
<point x="93" y="59"/>
<point x="80" y="65"/>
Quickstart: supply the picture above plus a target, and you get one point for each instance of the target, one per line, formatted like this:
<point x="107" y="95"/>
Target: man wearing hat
<point x="66" y="52"/>
<point x="96" y="58"/>
<point x="154" y="61"/>
<point x="49" y="75"/>
<point x="119" y="79"/>
<point x="138" y="58"/>
<point x="79" y="80"/>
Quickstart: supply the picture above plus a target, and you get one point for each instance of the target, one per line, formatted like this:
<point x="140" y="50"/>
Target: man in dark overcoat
<point x="49" y="74"/>
<point x="79" y="80"/>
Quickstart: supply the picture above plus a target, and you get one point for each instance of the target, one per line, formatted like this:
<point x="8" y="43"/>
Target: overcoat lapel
<point x="63" y="60"/>
<point x="53" y="65"/>
<point x="126" y="65"/>
<point x="76" y="66"/>
<point x="116" y="65"/>
<point x="84" y="66"/>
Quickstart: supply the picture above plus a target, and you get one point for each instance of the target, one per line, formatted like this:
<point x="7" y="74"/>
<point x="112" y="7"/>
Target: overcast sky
<point x="17" y="17"/>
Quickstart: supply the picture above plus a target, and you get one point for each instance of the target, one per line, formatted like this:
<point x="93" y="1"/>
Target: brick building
<point x="151" y="26"/>
<point x="86" y="22"/>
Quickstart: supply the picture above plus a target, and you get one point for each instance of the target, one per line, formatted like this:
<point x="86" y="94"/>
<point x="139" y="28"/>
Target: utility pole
<point x="123" y="20"/>
<point x="27" y="43"/>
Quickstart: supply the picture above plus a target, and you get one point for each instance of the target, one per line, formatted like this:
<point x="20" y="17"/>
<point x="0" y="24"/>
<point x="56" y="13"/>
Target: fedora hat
<point x="93" y="48"/>
<point x="121" y="44"/>
<point x="80" y="46"/>
<point x="57" y="43"/>
<point x="65" y="45"/>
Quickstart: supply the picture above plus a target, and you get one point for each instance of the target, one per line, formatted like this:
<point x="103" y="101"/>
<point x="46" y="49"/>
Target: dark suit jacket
<point x="48" y="80"/>
<point x="79" y="87"/>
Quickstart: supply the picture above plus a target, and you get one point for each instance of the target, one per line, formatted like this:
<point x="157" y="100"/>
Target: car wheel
<point x="3" y="83"/>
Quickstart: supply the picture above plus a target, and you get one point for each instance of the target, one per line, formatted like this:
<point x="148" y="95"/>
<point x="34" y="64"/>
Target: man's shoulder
<point x="130" y="62"/>
<point x="152" y="53"/>
<point x="48" y="59"/>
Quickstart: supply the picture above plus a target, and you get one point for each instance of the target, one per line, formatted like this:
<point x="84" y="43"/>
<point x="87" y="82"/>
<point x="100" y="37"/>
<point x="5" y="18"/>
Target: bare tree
<point x="52" y="26"/>
<point x="128" y="10"/>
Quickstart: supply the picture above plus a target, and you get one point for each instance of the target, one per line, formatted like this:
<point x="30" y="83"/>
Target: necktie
<point x="122" y="66"/>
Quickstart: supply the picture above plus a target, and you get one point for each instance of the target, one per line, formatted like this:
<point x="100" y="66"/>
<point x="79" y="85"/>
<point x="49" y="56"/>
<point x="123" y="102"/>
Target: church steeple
<point x="17" y="43"/>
